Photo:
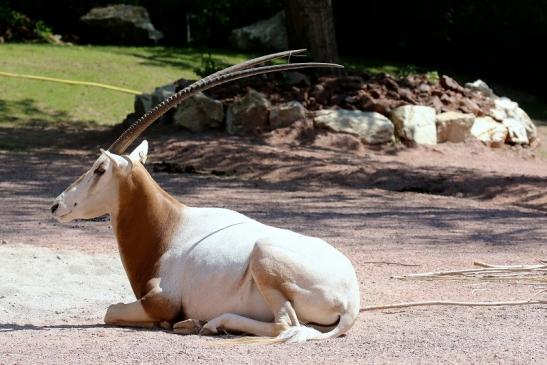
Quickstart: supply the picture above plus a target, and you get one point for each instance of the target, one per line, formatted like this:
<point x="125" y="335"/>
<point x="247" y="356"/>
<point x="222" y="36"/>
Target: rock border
<point x="495" y="120"/>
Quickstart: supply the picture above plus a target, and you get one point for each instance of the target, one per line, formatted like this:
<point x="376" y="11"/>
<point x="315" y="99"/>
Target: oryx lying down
<point x="199" y="270"/>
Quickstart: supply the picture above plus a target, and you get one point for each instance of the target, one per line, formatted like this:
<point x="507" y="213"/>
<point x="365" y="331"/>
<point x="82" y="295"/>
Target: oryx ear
<point x="140" y="153"/>
<point x="121" y="163"/>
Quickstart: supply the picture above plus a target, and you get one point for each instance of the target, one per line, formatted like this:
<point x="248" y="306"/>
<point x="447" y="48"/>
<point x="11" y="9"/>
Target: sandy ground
<point x="57" y="280"/>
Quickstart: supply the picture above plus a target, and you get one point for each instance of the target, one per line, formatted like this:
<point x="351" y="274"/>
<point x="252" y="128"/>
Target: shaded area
<point x="187" y="59"/>
<point x="10" y="327"/>
<point x="302" y="157"/>
<point x="309" y="182"/>
<point x="12" y="111"/>
<point x="26" y="125"/>
<point x="316" y="190"/>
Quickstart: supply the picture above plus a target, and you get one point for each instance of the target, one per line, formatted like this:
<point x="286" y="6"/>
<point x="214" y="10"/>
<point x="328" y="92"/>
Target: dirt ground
<point x="436" y="208"/>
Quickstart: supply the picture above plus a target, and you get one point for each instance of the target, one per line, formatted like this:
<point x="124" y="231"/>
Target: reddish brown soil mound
<point x="380" y="93"/>
<point x="301" y="154"/>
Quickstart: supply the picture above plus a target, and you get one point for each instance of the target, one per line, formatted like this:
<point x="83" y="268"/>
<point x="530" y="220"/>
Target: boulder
<point x="454" y="126"/>
<point x="199" y="113"/>
<point x="142" y="104"/>
<point x="503" y="108"/>
<point x="516" y="132"/>
<point x="489" y="131"/>
<point x="515" y="119"/>
<point x="163" y="92"/>
<point x="529" y="126"/>
<point x="248" y="113"/>
<point x="283" y="115"/>
<point x="145" y="102"/>
<point x="268" y="34"/>
<point x="371" y="127"/>
<point x="450" y="84"/>
<point x="481" y="87"/>
<point x="119" y="24"/>
<point x="415" y="124"/>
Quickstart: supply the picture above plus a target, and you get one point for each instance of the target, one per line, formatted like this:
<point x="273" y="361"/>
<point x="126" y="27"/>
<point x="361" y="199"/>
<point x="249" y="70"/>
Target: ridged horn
<point x="232" y="73"/>
<point x="256" y="61"/>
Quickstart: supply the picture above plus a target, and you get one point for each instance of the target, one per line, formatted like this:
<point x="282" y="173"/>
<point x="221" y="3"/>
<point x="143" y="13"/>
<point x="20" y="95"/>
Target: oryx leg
<point x="235" y="322"/>
<point x="188" y="327"/>
<point x="271" y="284"/>
<point x="151" y="310"/>
<point x="131" y="315"/>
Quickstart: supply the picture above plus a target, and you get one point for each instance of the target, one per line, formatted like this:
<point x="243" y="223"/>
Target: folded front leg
<point x="131" y="315"/>
<point x="153" y="309"/>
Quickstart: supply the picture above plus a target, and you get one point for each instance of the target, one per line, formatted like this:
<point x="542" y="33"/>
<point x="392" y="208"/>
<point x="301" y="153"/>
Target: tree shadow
<point x="24" y="126"/>
<point x="12" y="327"/>
<point x="350" y="205"/>
<point x="296" y="166"/>
<point x="13" y="110"/>
<point x="182" y="58"/>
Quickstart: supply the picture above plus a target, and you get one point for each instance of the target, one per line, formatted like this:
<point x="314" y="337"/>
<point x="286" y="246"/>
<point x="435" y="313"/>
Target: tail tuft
<point x="298" y="334"/>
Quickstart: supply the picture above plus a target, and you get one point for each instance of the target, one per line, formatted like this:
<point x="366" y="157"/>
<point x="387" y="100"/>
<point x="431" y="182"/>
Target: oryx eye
<point x="99" y="170"/>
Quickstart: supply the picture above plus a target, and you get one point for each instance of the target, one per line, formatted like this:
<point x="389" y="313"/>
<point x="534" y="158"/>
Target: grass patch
<point x="375" y="66"/>
<point x="139" y="68"/>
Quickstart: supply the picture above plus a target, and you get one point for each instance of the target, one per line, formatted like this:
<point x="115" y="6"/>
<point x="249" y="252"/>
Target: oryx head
<point x="96" y="192"/>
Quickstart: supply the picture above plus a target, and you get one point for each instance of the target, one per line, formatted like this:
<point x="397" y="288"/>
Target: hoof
<point x="208" y="330"/>
<point x="187" y="327"/>
<point x="165" y="325"/>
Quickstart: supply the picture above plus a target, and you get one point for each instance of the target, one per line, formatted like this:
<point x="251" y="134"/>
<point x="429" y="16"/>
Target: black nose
<point x="54" y="207"/>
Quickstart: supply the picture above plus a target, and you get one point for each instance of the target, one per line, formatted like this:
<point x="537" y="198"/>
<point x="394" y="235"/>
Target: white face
<point x="95" y="193"/>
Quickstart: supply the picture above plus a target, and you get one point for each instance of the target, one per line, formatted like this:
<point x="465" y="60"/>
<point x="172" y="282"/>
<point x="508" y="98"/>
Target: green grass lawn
<point x="138" y="68"/>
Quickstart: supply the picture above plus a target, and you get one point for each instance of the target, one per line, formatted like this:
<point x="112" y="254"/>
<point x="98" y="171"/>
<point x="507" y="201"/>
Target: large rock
<point x="503" y="108"/>
<point x="489" y="131"/>
<point x="163" y="92"/>
<point x="248" y="113"/>
<point x="264" y="34"/>
<point x="142" y="104"/>
<point x="199" y="113"/>
<point x="415" y="124"/>
<point x="145" y="102"/>
<point x="371" y="127"/>
<point x="454" y="126"/>
<point x="481" y="87"/>
<point x="529" y="126"/>
<point x="283" y="115"/>
<point x="516" y="132"/>
<point x="119" y="24"/>
<point x="521" y="128"/>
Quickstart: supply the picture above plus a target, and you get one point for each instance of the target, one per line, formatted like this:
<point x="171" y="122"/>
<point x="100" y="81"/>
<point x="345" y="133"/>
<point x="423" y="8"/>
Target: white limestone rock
<point x="415" y="124"/>
<point x="199" y="113"/>
<point x="248" y="113"/>
<point x="370" y="127"/>
<point x="454" y="126"/>
<point x="283" y="115"/>
<point x="489" y="131"/>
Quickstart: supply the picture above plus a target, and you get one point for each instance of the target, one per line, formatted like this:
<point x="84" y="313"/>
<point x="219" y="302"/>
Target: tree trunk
<point x="311" y="25"/>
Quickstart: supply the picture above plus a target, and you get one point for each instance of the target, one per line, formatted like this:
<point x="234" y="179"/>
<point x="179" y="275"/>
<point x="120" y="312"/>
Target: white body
<point x="206" y="263"/>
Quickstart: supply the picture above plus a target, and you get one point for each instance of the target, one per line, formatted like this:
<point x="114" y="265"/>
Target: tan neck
<point x="144" y="224"/>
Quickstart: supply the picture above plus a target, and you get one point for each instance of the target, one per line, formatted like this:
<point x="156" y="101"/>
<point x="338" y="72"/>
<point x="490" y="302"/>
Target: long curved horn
<point x="221" y="77"/>
<point x="256" y="61"/>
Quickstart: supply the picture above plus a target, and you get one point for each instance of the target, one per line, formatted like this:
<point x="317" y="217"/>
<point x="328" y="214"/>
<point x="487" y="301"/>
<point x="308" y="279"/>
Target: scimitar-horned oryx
<point x="201" y="270"/>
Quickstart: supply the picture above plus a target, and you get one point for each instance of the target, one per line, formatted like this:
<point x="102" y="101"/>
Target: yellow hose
<point x="71" y="82"/>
